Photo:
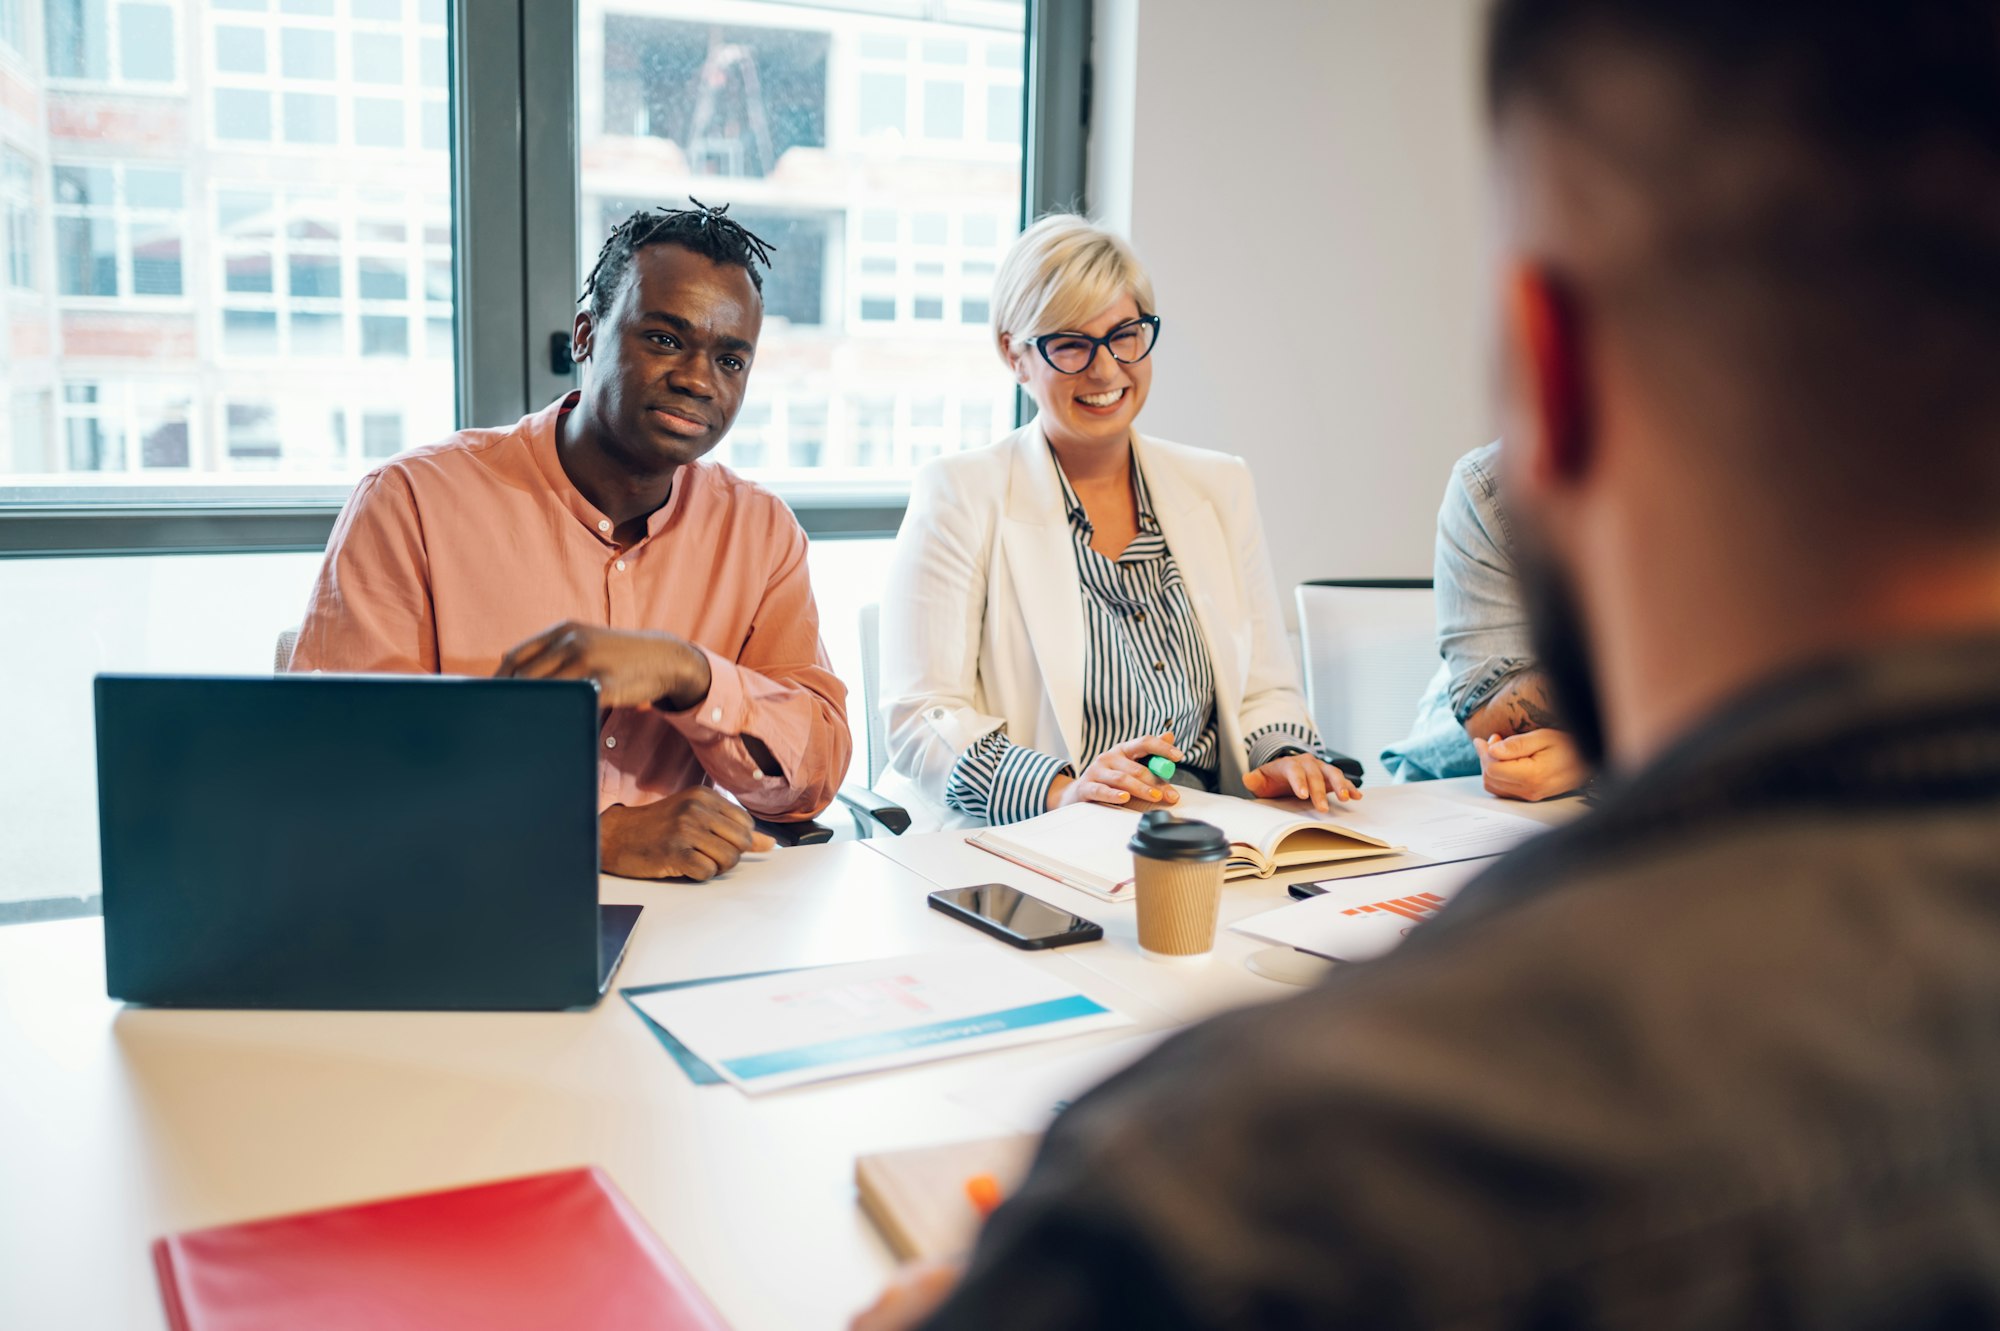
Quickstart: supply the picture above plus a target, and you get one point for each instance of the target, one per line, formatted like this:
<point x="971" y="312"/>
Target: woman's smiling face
<point x="1096" y="406"/>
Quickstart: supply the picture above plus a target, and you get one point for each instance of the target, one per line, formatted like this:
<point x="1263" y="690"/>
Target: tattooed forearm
<point x="1522" y="704"/>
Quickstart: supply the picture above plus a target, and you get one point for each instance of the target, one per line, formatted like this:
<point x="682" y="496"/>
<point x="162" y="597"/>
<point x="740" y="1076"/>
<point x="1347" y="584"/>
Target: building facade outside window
<point x="20" y="186"/>
<point x="117" y="43"/>
<point x="880" y="154"/>
<point x="229" y="239"/>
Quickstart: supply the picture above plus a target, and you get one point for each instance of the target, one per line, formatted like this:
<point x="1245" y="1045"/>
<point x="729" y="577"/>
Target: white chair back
<point x="871" y="691"/>
<point x="1370" y="651"/>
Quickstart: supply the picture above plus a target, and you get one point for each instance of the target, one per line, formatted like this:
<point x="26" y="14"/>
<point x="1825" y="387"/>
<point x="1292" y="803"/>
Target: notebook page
<point x="1263" y="823"/>
<point x="1080" y="843"/>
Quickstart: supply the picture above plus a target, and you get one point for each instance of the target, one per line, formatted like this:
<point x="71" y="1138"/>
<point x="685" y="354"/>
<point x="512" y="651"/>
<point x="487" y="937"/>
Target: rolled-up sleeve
<point x="1482" y="628"/>
<point x="781" y="691"/>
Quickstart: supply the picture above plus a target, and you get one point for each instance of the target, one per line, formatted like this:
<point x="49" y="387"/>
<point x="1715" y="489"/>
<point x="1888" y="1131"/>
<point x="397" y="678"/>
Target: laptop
<point x="352" y="841"/>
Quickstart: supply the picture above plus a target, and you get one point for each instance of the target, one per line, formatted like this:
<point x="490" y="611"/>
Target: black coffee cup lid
<point x="1161" y="836"/>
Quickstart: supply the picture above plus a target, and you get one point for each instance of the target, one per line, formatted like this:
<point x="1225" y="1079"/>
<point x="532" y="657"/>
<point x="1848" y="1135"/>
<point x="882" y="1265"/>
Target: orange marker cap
<point x="983" y="1191"/>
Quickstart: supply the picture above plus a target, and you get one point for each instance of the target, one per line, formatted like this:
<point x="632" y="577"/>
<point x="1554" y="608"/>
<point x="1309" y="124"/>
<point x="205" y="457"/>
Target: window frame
<point x="515" y="171"/>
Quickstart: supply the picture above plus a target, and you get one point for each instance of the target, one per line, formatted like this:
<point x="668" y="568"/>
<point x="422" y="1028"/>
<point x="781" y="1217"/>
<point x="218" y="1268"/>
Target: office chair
<point x="1370" y="650"/>
<point x="868" y="804"/>
<point x="806" y="833"/>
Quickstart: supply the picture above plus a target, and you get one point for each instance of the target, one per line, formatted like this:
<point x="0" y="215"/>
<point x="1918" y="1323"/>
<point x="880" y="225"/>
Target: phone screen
<point x="1013" y="913"/>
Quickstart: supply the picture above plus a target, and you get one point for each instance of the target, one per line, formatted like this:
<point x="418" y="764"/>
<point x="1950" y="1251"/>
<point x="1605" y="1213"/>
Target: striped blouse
<point x="1146" y="671"/>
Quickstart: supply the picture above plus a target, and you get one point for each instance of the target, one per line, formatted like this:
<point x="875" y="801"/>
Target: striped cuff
<point x="1001" y="781"/>
<point x="1278" y="740"/>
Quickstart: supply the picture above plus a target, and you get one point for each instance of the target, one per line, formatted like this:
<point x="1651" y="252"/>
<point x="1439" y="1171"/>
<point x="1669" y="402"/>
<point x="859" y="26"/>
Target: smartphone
<point x="1014" y="917"/>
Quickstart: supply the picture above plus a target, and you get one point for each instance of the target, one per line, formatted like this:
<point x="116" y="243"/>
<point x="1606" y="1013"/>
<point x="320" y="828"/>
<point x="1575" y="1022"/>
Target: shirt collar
<point x="542" y="427"/>
<point x="1073" y="507"/>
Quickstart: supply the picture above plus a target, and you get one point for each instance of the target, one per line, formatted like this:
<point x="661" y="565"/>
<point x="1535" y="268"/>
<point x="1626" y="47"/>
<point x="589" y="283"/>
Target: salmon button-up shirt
<point x="448" y="556"/>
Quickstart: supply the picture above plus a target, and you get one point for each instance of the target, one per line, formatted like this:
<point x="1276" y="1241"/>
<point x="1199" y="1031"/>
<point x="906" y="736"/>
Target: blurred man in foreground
<point x="1725" y="1053"/>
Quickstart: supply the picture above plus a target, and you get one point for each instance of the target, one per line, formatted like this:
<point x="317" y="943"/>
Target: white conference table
<point x="118" y="1126"/>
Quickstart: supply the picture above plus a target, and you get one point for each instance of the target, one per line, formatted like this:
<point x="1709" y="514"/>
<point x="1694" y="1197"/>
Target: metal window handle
<point x="559" y="357"/>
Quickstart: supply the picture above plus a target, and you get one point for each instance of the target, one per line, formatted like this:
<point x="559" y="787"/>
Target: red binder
<point x="551" y="1250"/>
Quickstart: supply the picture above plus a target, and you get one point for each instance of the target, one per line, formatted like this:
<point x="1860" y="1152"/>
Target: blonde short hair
<point x="1062" y="272"/>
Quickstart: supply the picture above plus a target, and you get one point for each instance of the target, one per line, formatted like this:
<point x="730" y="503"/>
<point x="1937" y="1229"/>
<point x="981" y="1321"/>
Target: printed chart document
<point x="1438" y="829"/>
<point x="1357" y="919"/>
<point x="1083" y="845"/>
<point x="768" y="1032"/>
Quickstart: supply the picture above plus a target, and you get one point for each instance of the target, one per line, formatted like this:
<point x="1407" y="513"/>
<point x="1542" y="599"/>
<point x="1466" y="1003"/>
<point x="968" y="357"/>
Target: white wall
<point x="1306" y="181"/>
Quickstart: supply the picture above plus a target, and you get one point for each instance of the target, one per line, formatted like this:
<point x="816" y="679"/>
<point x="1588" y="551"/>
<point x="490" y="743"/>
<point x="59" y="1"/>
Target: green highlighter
<point x="1162" y="768"/>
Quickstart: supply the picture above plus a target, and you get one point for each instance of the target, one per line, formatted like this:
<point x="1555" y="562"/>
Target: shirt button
<point x="620" y="566"/>
<point x="1159" y="665"/>
<point x="604" y="524"/>
<point x="1139" y="618"/>
<point x="715" y="716"/>
<point x="611" y="741"/>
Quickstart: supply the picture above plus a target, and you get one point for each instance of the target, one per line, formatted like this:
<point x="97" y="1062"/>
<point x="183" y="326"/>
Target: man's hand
<point x="1119" y="776"/>
<point x="692" y="833"/>
<point x="1534" y="765"/>
<point x="912" y="1295"/>
<point x="1302" y="776"/>
<point x="632" y="669"/>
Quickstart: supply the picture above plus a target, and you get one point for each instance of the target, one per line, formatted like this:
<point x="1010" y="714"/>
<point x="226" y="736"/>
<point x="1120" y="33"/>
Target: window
<point x="867" y="149"/>
<point x="381" y="434"/>
<point x="733" y="99"/>
<point x="126" y="426"/>
<point x="266" y="234"/>
<point x="119" y="230"/>
<point x="310" y="76"/>
<point x="14" y="24"/>
<point x="17" y="186"/>
<point x="124" y="43"/>
<point x="253" y="435"/>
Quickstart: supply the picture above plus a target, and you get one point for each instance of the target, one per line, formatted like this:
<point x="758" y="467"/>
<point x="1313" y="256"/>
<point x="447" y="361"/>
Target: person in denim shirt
<point x="1487" y="711"/>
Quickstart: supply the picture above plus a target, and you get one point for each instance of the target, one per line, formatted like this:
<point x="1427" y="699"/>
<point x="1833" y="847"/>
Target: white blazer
<point x="983" y="622"/>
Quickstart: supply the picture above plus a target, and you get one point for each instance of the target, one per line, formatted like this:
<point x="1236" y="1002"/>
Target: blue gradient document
<point x="768" y="1032"/>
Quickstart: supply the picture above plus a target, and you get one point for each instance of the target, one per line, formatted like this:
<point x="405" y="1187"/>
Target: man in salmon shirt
<point x="588" y="541"/>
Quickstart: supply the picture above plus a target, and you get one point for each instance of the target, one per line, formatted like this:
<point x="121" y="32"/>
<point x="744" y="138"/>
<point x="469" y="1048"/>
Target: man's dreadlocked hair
<point x="707" y="231"/>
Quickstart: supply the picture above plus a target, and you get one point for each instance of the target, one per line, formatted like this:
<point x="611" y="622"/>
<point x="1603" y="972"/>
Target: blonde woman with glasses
<point x="1080" y="598"/>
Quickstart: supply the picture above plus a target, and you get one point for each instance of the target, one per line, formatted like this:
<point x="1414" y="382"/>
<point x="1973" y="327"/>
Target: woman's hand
<point x="1301" y="776"/>
<point x="1119" y="776"/>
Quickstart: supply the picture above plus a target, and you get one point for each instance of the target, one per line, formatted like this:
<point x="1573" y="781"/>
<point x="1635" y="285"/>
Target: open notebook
<point x="1083" y="845"/>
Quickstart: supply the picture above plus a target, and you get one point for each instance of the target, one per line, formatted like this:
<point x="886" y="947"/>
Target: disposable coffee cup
<point x="1178" y="868"/>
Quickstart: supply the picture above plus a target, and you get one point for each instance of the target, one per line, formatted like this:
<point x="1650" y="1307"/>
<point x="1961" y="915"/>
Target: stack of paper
<point x="787" y="1028"/>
